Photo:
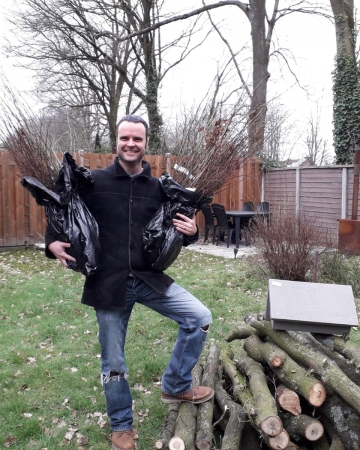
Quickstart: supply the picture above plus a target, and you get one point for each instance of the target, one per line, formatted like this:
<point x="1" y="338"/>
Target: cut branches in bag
<point x="162" y="242"/>
<point x="67" y="215"/>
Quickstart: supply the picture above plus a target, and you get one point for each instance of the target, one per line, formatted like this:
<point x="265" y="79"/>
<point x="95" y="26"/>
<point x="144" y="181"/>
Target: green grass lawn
<point x="50" y="356"/>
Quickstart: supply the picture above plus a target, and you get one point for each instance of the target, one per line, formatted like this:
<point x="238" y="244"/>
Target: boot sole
<point x="194" y="402"/>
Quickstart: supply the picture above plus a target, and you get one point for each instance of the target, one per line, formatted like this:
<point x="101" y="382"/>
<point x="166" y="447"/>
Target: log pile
<point x="273" y="390"/>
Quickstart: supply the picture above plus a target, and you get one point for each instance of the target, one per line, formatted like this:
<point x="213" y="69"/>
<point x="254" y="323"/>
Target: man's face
<point x="131" y="143"/>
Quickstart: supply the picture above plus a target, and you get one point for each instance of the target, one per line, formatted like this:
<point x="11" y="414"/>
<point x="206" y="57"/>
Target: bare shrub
<point x="209" y="144"/>
<point x="288" y="244"/>
<point x="26" y="137"/>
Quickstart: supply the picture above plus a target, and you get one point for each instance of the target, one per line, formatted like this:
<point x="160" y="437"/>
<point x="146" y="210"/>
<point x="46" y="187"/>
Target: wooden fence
<point x="321" y="193"/>
<point x="22" y="221"/>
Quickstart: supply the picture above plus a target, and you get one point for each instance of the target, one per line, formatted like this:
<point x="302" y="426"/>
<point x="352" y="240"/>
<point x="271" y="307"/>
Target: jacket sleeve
<point x="191" y="239"/>
<point x="49" y="238"/>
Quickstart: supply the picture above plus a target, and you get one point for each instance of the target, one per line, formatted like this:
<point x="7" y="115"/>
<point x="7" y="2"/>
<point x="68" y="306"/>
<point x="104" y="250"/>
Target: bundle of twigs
<point x="26" y="137"/>
<point x="210" y="145"/>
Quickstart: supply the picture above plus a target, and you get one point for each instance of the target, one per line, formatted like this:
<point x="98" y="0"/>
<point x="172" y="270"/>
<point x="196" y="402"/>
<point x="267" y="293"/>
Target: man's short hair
<point x="135" y="119"/>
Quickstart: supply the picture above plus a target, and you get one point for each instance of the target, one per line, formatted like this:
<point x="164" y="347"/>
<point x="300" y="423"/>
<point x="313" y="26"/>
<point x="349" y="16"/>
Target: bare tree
<point x="72" y="42"/>
<point x="278" y="128"/>
<point x="262" y="23"/>
<point x="63" y="41"/>
<point x="317" y="150"/>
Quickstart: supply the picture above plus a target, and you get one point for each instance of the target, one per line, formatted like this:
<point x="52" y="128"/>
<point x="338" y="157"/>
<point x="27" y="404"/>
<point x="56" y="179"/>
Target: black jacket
<point x="122" y="205"/>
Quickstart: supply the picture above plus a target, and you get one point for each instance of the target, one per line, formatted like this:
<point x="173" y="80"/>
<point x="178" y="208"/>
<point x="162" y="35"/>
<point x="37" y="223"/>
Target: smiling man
<point x="123" y="198"/>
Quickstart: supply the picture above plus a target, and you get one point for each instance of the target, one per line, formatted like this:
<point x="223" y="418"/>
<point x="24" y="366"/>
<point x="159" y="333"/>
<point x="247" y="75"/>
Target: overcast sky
<point x="310" y="39"/>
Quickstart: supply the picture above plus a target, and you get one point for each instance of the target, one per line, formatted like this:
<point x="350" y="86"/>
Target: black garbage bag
<point x="67" y="215"/>
<point x="162" y="242"/>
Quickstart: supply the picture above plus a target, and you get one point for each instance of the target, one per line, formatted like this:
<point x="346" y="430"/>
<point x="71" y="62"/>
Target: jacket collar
<point x="120" y="172"/>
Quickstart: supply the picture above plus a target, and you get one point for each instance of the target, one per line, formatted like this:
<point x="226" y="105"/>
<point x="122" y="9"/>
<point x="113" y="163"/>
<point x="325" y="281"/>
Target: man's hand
<point x="58" y="249"/>
<point x="185" y="225"/>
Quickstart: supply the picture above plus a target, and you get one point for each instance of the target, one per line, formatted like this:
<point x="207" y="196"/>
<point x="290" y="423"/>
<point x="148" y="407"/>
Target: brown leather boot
<point x="124" y="440"/>
<point x="196" y="395"/>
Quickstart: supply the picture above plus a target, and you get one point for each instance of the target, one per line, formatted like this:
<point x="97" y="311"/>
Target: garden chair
<point x="209" y="222"/>
<point x="223" y="224"/>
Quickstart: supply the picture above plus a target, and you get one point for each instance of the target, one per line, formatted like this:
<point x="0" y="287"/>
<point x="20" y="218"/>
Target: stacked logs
<point x="273" y="390"/>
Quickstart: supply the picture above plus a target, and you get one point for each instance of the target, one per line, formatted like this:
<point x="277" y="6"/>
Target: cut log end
<point x="176" y="443"/>
<point x="314" y="431"/>
<point x="202" y="444"/>
<point x="276" y="361"/>
<point x="288" y="400"/>
<point x="279" y="442"/>
<point x="272" y="426"/>
<point x="317" y="395"/>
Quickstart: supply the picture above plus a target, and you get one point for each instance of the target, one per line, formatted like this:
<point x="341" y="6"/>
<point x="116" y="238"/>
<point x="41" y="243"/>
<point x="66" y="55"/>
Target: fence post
<point x="297" y="199"/>
<point x="344" y="179"/>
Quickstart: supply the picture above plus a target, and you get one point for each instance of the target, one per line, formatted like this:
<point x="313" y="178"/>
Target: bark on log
<point x="321" y="444"/>
<point x="169" y="426"/>
<point x="241" y="332"/>
<point x="345" y="419"/>
<point x="292" y="446"/>
<point x="185" y="427"/>
<point x="303" y="426"/>
<point x="310" y="342"/>
<point x="239" y="387"/>
<point x="290" y="373"/>
<point x="342" y="346"/>
<point x="288" y="400"/>
<point x="204" y="429"/>
<point x="243" y="394"/>
<point x="232" y="435"/>
<point x="325" y="367"/>
<point x="279" y="442"/>
<point x="265" y="405"/>
<point x="335" y="441"/>
<point x="250" y="439"/>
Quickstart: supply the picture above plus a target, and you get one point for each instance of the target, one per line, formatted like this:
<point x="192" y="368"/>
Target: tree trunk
<point x="309" y="341"/>
<point x="260" y="49"/>
<point x="241" y="332"/>
<point x="265" y="405"/>
<point x="204" y="429"/>
<point x="289" y="372"/>
<point x="288" y="400"/>
<point x="303" y="426"/>
<point x="321" y="444"/>
<point x="327" y="369"/>
<point x="236" y="421"/>
<point x="346" y="84"/>
<point x="336" y="410"/>
<point x="342" y="346"/>
<point x="169" y="426"/>
<point x="334" y="437"/>
<point x="343" y="11"/>
<point x="250" y="439"/>
<point x="185" y="427"/>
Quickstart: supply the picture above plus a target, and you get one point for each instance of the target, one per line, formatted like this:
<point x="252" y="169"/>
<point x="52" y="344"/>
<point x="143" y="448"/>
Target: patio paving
<point x="222" y="250"/>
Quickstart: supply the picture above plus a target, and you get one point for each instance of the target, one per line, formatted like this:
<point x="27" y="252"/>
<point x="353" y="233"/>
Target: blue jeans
<point x="177" y="304"/>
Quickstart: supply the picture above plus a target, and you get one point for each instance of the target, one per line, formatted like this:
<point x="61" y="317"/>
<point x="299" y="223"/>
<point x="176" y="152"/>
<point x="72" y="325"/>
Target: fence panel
<point x="317" y="192"/>
<point x="22" y="221"/>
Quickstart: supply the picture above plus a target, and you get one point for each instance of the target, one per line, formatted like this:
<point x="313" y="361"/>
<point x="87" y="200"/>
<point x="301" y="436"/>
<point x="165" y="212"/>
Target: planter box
<point x="349" y="237"/>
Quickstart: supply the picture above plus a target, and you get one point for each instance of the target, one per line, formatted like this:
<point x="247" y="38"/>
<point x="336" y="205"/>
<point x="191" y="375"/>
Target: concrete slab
<point x="222" y="250"/>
